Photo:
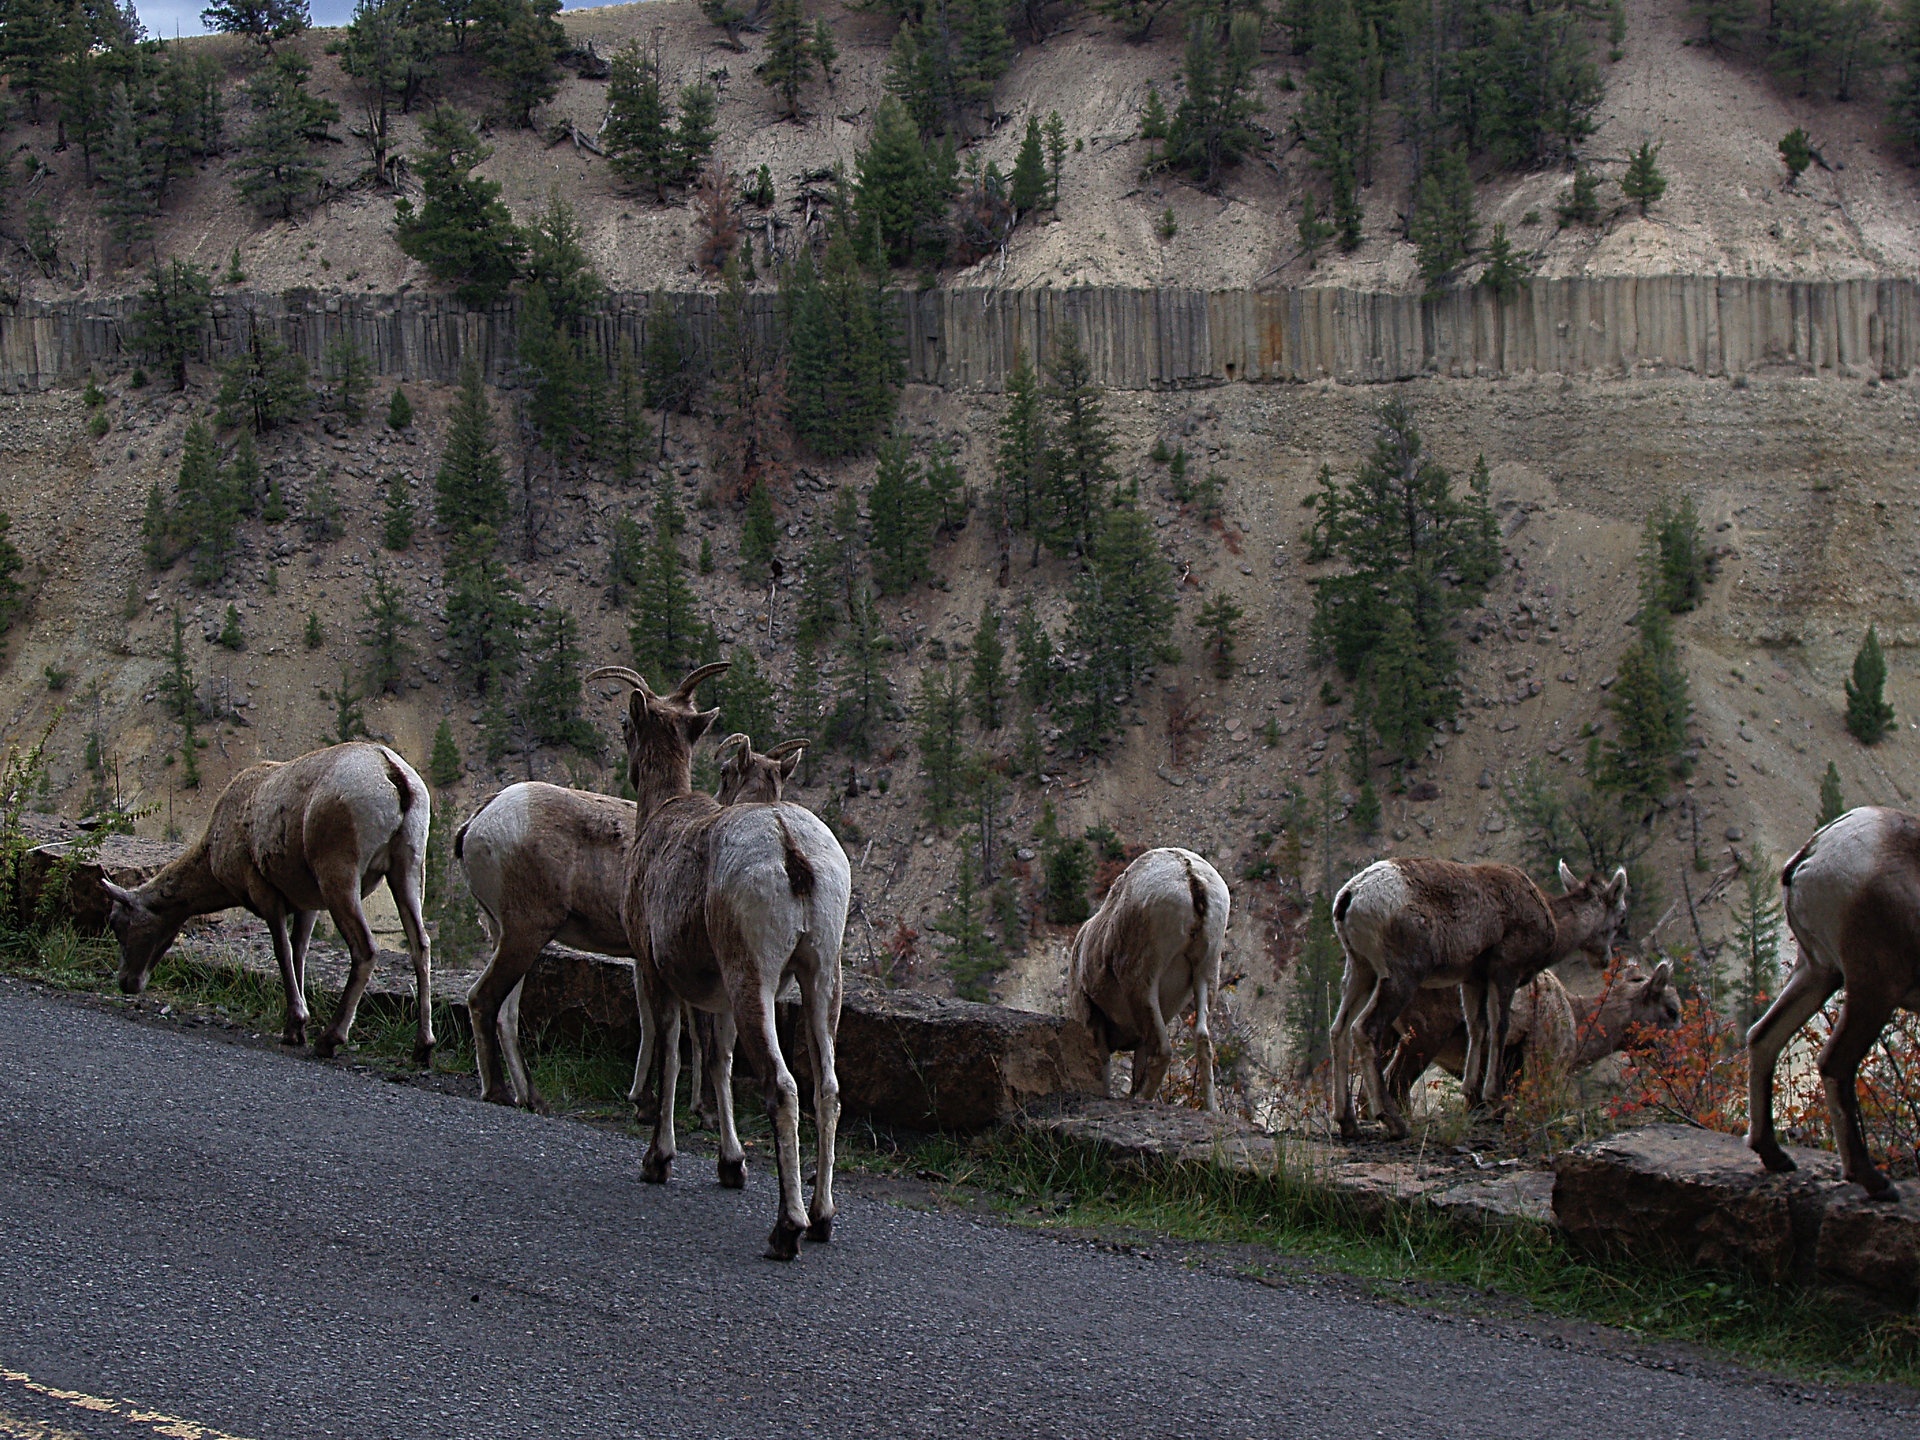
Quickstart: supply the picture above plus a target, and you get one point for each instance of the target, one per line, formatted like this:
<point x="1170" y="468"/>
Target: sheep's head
<point x="1595" y="910"/>
<point x="1652" y="1000"/>
<point x="660" y="731"/>
<point x="747" y="776"/>
<point x="143" y="935"/>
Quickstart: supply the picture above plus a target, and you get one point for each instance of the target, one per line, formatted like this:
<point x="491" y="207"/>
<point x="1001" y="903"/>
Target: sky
<point x="166" y="18"/>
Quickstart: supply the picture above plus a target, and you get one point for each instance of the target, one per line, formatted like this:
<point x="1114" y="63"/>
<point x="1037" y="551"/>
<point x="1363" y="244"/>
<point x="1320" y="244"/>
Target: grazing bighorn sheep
<point x="1153" y="945"/>
<point x="1569" y="1032"/>
<point x="545" y="864"/>
<point x="287" y="840"/>
<point x="723" y="905"/>
<point x="1421" y="924"/>
<point x="1853" y="904"/>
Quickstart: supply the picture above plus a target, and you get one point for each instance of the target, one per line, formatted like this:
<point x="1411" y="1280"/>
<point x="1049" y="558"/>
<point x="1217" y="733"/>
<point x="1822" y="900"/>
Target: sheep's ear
<point x="789" y="764"/>
<point x="1567" y="880"/>
<point x="701" y="721"/>
<point x="1617" y="887"/>
<point x="1662" y="974"/>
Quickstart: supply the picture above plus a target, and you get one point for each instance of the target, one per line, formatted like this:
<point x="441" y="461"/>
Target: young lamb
<point x="1153" y="945"/>
<point x="1413" y="924"/>
<point x="286" y="841"/>
<point x="1570" y="1032"/>
<point x="546" y="864"/>
<point x="723" y="906"/>
<point x="1853" y="904"/>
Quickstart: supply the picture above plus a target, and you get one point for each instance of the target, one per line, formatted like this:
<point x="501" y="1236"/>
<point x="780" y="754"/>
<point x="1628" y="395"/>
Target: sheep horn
<point x="786" y="748"/>
<point x="624" y="675"/>
<point x="722" y="753"/>
<point x="717" y="667"/>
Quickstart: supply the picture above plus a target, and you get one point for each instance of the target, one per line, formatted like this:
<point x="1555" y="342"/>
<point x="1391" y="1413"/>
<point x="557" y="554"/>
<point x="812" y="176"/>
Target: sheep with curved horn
<point x="287" y="840"/>
<point x="723" y="906"/>
<point x="546" y="863"/>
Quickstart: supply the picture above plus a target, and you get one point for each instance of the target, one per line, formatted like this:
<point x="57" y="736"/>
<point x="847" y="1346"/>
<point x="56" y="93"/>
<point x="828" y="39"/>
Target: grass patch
<point x="1054" y="1182"/>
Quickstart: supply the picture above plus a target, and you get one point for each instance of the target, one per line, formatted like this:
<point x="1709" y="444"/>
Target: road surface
<point x="201" y="1240"/>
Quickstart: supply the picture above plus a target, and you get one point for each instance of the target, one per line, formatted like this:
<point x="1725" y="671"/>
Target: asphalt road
<point x="230" y="1242"/>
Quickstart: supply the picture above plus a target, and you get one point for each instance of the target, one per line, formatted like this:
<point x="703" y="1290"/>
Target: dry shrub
<point x="714" y="206"/>
<point x="1695" y="1073"/>
<point x="1889" y="1089"/>
<point x="1183" y="718"/>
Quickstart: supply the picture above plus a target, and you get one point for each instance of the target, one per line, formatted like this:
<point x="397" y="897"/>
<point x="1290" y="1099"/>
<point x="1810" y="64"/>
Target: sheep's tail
<point x="460" y="840"/>
<point x="1786" y="872"/>
<point x="1197" y="893"/>
<point x="800" y="876"/>
<point x="1342" y="903"/>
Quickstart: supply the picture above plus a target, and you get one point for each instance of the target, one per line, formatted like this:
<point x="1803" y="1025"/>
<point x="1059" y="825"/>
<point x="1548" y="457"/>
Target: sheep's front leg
<point x="296" y="1031"/>
<point x="1203" y="1046"/>
<point x="1473" y="1009"/>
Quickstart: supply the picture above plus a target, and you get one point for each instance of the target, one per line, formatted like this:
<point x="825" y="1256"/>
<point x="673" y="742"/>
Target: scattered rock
<point x="1172" y="778"/>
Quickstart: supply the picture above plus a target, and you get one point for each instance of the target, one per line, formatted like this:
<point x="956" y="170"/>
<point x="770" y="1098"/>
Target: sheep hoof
<point x="733" y="1173"/>
<point x="423" y="1054"/>
<point x="655" y="1167"/>
<point x="784" y="1242"/>
<point x="325" y="1046"/>
<point x="1349" y="1128"/>
<point x="821" y="1230"/>
<point x="497" y="1096"/>
<point x="537" y="1103"/>
<point x="1775" y="1159"/>
<point x="1880" y="1190"/>
<point x="296" y="1033"/>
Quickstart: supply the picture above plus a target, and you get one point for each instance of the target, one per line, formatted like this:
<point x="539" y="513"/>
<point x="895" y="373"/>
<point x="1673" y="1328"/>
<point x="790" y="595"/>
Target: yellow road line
<point x="171" y="1426"/>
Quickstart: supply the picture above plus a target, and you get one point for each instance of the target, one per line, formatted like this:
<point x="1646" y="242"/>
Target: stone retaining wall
<point x="1138" y="339"/>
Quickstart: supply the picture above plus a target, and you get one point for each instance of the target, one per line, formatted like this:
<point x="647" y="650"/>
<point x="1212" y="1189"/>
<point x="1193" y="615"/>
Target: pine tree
<point x="30" y="50"/>
<point x="1643" y="183"/>
<point x="275" y="168"/>
<point x="987" y="671"/>
<point x="789" y="57"/>
<point x="1079" y="463"/>
<point x="1869" y="716"/>
<point x="232" y="636"/>
<point x="243" y="476"/>
<point x="970" y="957"/>
<point x="1676" y="547"/>
<point x="1505" y="270"/>
<point x="349" y="373"/>
<point x="1122" y="623"/>
<point x="759" y="533"/>
<point x="1219" y="620"/>
<point x="1020" y="463"/>
<point x="863" y="684"/>
<point x="896" y="187"/>
<point x="1443" y="225"/>
<point x="128" y="173"/>
<point x="1797" y="153"/>
<point x="208" y="509"/>
<point x="313" y="637"/>
<point x="1212" y="127"/>
<point x="902" y="521"/>
<point x="667" y="636"/>
<point x="264" y="22"/>
<point x="1316" y="986"/>
<point x="805" y="703"/>
<point x="462" y="232"/>
<point x="552" y="698"/>
<point x="745" y="697"/>
<point x="1649" y="705"/>
<point x="1034" y="648"/>
<point x="399" y="410"/>
<point x="486" y="623"/>
<point x="1581" y="203"/>
<point x="694" y="135"/>
<point x="520" y="42"/>
<point x="1029" y="190"/>
<point x="1336" y="114"/>
<point x="1756" y="940"/>
<point x="940" y="712"/>
<point x="156" y="531"/>
<point x="388" y="48"/>
<point x="1056" y="131"/>
<point x="843" y="362"/>
<point x="639" y="136"/>
<point x="1832" y="803"/>
<point x="1903" y="84"/>
<point x="443" y="765"/>
<point x="389" y="620"/>
<point x="349" y="716"/>
<point x="826" y="53"/>
<point x="396" y="526"/>
<point x="1153" y="124"/>
<point x="1313" y="231"/>
<point x="264" y="385"/>
<point x="470" y="491"/>
<point x="1721" y="21"/>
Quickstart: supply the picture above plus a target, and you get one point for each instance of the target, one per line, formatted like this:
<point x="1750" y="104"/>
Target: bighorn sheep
<point x="286" y="841"/>
<point x="546" y="864"/>
<point x="1153" y="945"/>
<point x="1569" y="1032"/>
<point x="723" y="904"/>
<point x="1853" y="904"/>
<point x="1413" y="924"/>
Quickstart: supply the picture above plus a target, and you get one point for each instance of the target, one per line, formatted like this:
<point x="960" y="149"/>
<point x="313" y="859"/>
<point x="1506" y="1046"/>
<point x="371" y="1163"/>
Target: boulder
<point x="1871" y="1246"/>
<point x="1693" y="1197"/>
<point x="1136" y="1130"/>
<point x="120" y="858"/>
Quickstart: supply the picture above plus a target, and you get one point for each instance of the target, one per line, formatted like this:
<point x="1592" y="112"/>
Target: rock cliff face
<point x="1138" y="339"/>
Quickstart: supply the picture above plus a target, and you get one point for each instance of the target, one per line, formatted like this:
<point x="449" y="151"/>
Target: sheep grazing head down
<point x="1596" y="909"/>
<point x="143" y="936"/>
<point x="660" y="731"/>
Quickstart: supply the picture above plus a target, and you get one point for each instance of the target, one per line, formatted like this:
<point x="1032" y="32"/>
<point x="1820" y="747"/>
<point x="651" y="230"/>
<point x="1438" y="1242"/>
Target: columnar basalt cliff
<point x="1138" y="339"/>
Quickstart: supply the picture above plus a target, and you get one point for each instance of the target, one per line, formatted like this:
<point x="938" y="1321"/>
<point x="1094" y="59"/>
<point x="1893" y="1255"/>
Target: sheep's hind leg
<point x="821" y="993"/>
<point x="1356" y="983"/>
<point x="1862" y="1017"/>
<point x="754" y="1013"/>
<point x="1155" y="1051"/>
<point x="406" y="887"/>
<point x="495" y="1019"/>
<point x="1203" y="1047"/>
<point x="1807" y="989"/>
<point x="296" y="1031"/>
<point x="1373" y="1026"/>
<point x="525" y="1091"/>
<point x="657" y="1163"/>
<point x="342" y="893"/>
<point x="718" y="1060"/>
<point x="644" y="1089"/>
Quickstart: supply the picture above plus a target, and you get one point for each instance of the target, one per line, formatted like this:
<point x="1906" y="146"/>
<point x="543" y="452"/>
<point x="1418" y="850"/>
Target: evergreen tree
<point x="30" y="50"/>
<point x="1797" y="153"/>
<point x="745" y="697"/>
<point x="388" y="621"/>
<point x="470" y="490"/>
<point x="1756" y="941"/>
<point x="805" y="703"/>
<point x="443" y="765"/>
<point x="388" y="49"/>
<point x="863" y="684"/>
<point x="1336" y="115"/>
<point x="1643" y="183"/>
<point x="1056" y="131"/>
<point x="987" y="671"/>
<point x="1676" y="547"/>
<point x="940" y="711"/>
<point x="313" y="637"/>
<point x="275" y="169"/>
<point x="486" y="621"/>
<point x="1020" y="468"/>
<point x="1869" y="716"/>
<point x="897" y="189"/>
<point x="1154" y="125"/>
<point x="208" y="507"/>
<point x="1443" y="225"/>
<point x="1903" y="85"/>
<point x="349" y="373"/>
<point x="1122" y="622"/>
<point x="1581" y="203"/>
<point x="970" y="957"/>
<point x="666" y="635"/>
<point x="1832" y="804"/>
<point x="789" y="56"/>
<point x="626" y="560"/>
<point x="265" y="22"/>
<point x="1212" y="127"/>
<point x="947" y="499"/>
<point x="1079" y="462"/>
<point x="520" y="42"/>
<point x="1650" y="705"/>
<point x="1219" y="620"/>
<point x="182" y="697"/>
<point x="462" y="232"/>
<point x="1030" y="171"/>
<point x="1505" y="270"/>
<point x="902" y="521"/>
<point x="694" y="135"/>
<point x="552" y="698"/>
<point x="232" y="636"/>
<point x="396" y="526"/>
<point x="826" y="53"/>
<point x="843" y="362"/>
<point x="129" y="173"/>
<point x="1316" y="986"/>
<point x="1721" y="21"/>
<point x="639" y="131"/>
<point x="399" y="410"/>
<point x="243" y="476"/>
<point x="759" y="533"/>
<point x="349" y="718"/>
<point x="1034" y="648"/>
<point x="1313" y="231"/>
<point x="264" y="385"/>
